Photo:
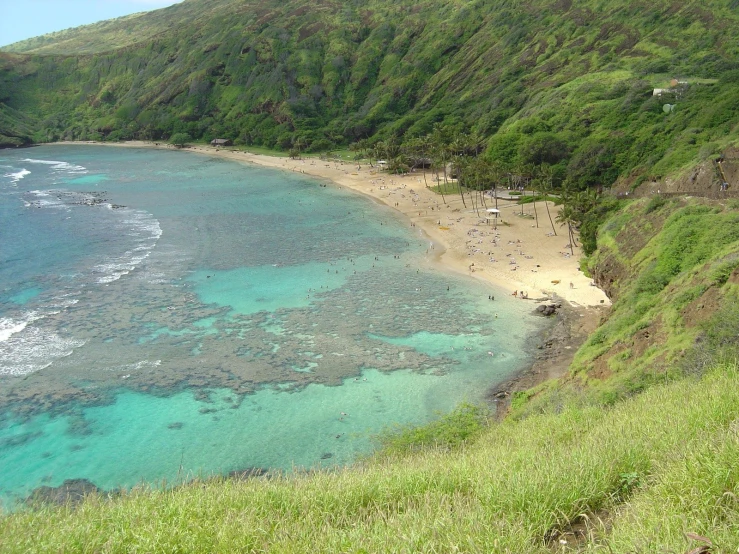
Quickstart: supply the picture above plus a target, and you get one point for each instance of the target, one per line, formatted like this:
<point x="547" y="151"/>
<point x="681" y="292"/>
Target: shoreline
<point x="543" y="267"/>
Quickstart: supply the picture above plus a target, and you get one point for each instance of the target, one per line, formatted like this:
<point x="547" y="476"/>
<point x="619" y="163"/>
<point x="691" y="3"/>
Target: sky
<point x="22" y="19"/>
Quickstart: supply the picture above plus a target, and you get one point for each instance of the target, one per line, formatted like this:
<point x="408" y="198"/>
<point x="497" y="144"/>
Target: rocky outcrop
<point x="72" y="491"/>
<point x="548" y="309"/>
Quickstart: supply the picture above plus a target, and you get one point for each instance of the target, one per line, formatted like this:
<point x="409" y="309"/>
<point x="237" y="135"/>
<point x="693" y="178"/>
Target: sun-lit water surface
<point x="164" y="314"/>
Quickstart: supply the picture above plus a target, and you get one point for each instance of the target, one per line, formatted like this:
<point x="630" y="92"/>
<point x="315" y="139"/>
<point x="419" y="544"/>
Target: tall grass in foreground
<point x="655" y="467"/>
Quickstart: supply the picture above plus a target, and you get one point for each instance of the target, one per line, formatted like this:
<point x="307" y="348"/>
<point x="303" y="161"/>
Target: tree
<point x="543" y="148"/>
<point x="456" y="149"/>
<point x="179" y="139"/>
<point x="593" y="165"/>
<point x="545" y="185"/>
<point x="298" y="144"/>
<point x="573" y="209"/>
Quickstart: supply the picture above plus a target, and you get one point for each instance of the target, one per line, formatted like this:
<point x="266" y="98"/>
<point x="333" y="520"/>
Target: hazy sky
<point x="21" y="19"/>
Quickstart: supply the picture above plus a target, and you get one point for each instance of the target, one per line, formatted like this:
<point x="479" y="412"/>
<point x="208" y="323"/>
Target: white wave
<point x="9" y="327"/>
<point x="44" y="199"/>
<point x="61" y="302"/>
<point x="33" y="349"/>
<point x="147" y="230"/>
<point x="141" y="225"/>
<point x="58" y="166"/>
<point x="136" y="366"/>
<point x="18" y="175"/>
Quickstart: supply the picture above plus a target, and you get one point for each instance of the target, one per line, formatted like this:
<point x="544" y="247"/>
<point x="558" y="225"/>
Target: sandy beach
<point x="515" y="255"/>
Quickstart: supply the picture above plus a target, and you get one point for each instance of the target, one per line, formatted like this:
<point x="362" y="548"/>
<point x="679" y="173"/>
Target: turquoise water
<point x="164" y="315"/>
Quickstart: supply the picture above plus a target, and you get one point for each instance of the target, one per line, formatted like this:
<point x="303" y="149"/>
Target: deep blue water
<point x="165" y="314"/>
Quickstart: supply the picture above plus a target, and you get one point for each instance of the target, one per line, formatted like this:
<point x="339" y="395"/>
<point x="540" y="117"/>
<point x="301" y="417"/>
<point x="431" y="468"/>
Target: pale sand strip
<point x="541" y="259"/>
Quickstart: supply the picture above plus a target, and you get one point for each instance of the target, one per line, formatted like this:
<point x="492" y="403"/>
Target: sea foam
<point x="17" y="175"/>
<point x="65" y="167"/>
<point x="25" y="348"/>
<point x="9" y="327"/>
<point x="142" y="226"/>
<point x="146" y="230"/>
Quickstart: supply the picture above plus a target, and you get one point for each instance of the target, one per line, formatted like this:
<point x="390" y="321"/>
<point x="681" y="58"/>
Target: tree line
<point x="456" y="162"/>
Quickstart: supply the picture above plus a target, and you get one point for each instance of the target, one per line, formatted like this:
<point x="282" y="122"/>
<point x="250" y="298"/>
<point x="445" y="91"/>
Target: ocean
<point x="166" y="315"/>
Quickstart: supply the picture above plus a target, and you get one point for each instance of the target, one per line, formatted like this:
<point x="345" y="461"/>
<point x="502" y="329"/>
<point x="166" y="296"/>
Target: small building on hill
<point x="220" y="142"/>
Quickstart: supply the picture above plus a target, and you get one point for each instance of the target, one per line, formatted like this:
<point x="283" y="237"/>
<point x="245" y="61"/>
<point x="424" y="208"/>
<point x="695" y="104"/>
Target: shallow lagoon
<point x="168" y="314"/>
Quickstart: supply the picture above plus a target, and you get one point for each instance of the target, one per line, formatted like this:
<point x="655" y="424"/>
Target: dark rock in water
<point x="207" y="410"/>
<point x="19" y="440"/>
<point x="248" y="473"/>
<point x="203" y="396"/>
<point x="327" y="455"/>
<point x="175" y="425"/>
<point x="548" y="309"/>
<point x="72" y="491"/>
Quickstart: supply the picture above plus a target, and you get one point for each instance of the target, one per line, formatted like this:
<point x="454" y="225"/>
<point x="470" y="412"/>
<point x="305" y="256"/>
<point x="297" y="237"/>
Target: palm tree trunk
<point x="441" y="188"/>
<point x="523" y="195"/>
<point x="459" y="184"/>
<point x="546" y="204"/>
<point x="572" y="238"/>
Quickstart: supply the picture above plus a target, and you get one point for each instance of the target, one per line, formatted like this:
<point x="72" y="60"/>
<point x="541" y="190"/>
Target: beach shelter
<point x="492" y="214"/>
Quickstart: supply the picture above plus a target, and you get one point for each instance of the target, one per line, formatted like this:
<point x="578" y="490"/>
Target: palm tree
<point x="568" y="215"/>
<point x="458" y="148"/>
<point x="362" y="147"/>
<point x="376" y="151"/>
<point x="438" y="155"/>
<point x="354" y="149"/>
<point x="532" y="183"/>
<point x="547" y="174"/>
<point x="423" y="149"/>
<point x="459" y="163"/>
<point x="298" y="144"/>
<point x="441" y="146"/>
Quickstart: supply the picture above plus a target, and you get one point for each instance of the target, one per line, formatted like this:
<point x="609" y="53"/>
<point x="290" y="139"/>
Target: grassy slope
<point x="672" y="268"/>
<point x="661" y="465"/>
<point x="334" y="72"/>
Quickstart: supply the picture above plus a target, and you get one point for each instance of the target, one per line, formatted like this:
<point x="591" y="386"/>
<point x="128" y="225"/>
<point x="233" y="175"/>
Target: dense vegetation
<point x="566" y="83"/>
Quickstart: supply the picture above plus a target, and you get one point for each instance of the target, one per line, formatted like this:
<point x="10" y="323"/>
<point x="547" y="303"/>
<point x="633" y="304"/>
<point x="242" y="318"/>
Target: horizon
<point x="34" y="18"/>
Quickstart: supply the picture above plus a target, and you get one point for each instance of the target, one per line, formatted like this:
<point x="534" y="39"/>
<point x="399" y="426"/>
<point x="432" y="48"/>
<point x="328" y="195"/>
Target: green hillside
<point x="328" y="74"/>
<point x="635" y="449"/>
<point x="671" y="268"/>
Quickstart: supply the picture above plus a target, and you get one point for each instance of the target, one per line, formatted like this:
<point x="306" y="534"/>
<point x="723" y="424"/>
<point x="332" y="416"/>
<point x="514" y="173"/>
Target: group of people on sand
<point x="523" y="295"/>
